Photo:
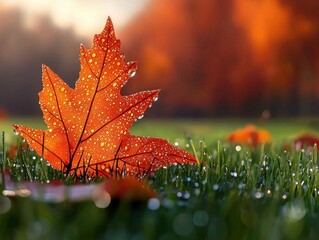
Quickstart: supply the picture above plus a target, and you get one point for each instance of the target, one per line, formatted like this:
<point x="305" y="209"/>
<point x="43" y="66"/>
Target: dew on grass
<point x="186" y="195"/>
<point x="102" y="200"/>
<point x="238" y="148"/>
<point x="196" y="184"/>
<point x="179" y="194"/>
<point x="200" y="218"/>
<point x="5" y="202"/>
<point x="259" y="195"/>
<point x="295" y="210"/>
<point x="196" y="192"/>
<point x="241" y="186"/>
<point x="215" y="187"/>
<point x="153" y="204"/>
<point x="233" y="174"/>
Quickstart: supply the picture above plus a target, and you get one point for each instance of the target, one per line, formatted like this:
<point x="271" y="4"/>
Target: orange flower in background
<point x="249" y="135"/>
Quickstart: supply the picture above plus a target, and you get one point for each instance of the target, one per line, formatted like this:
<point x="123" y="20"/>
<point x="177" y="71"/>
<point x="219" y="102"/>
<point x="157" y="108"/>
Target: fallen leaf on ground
<point x="306" y="139"/>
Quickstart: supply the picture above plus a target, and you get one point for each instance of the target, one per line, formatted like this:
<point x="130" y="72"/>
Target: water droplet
<point x="186" y="195"/>
<point x="200" y="218"/>
<point x="238" y="148"/>
<point x="132" y="73"/>
<point x="179" y="194"/>
<point x="156" y="98"/>
<point x="259" y="195"/>
<point x="196" y="192"/>
<point x="234" y="174"/>
<point x="140" y="117"/>
<point x="153" y="204"/>
<point x="215" y="187"/>
<point x="15" y="132"/>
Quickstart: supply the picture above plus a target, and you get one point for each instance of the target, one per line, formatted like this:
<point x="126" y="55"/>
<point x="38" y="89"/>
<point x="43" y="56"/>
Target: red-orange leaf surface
<point x="88" y="126"/>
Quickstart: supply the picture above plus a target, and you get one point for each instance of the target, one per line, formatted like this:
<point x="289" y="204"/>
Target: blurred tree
<point x="211" y="58"/>
<point x="22" y="52"/>
<point x="228" y="57"/>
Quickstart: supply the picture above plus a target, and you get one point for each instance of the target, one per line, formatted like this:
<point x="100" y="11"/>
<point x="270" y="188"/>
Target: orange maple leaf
<point x="88" y="126"/>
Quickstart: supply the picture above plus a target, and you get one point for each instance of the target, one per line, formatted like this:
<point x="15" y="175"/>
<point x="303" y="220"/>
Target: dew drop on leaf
<point x="132" y="73"/>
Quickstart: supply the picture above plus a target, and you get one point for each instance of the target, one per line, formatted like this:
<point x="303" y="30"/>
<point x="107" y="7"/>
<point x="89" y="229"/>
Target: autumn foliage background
<point x="211" y="58"/>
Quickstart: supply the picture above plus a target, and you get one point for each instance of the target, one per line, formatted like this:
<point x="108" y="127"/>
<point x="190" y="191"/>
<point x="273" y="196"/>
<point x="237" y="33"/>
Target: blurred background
<point x="230" y="58"/>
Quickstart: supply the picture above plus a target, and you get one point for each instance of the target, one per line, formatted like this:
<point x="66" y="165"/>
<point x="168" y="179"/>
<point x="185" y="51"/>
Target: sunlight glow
<point x="87" y="17"/>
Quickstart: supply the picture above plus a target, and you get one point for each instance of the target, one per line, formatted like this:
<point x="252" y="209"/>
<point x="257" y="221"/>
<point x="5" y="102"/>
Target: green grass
<point x="209" y="129"/>
<point x="270" y="192"/>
